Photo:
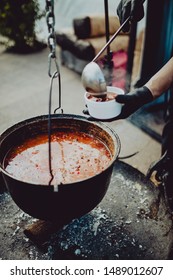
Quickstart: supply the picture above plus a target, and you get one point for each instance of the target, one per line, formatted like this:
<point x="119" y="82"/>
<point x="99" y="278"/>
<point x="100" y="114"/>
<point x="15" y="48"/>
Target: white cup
<point x="105" y="109"/>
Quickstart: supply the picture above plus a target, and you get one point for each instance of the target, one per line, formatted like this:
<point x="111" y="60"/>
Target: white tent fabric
<point x="66" y="10"/>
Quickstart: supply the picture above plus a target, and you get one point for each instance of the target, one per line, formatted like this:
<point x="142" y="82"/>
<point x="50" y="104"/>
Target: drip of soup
<point x="75" y="156"/>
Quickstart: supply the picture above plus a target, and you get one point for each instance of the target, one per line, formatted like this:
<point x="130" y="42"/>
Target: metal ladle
<point x="92" y="77"/>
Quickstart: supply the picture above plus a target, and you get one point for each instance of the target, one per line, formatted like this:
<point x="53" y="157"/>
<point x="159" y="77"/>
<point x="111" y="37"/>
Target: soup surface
<point x="75" y="156"/>
<point x="109" y="96"/>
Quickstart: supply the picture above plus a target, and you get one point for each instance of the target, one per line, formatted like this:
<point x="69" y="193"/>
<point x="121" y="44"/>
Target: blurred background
<point x="66" y="11"/>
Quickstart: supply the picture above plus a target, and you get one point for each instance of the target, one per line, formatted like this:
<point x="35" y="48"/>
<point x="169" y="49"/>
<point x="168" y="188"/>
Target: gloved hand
<point x="133" y="8"/>
<point x="133" y="101"/>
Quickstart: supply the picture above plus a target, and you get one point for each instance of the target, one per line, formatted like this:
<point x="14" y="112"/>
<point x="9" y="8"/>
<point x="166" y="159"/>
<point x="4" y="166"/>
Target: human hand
<point x="133" y="101"/>
<point x="133" y="8"/>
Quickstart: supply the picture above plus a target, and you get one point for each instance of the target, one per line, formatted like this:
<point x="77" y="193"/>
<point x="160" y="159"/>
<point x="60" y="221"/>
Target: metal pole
<point x="107" y="24"/>
<point x="108" y="58"/>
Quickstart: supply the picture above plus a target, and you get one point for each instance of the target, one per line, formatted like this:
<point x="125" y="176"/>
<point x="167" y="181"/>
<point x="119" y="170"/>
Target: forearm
<point x="162" y="80"/>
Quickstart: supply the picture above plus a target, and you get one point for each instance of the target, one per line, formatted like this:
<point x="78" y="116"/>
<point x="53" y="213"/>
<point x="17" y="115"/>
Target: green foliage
<point x="17" y="21"/>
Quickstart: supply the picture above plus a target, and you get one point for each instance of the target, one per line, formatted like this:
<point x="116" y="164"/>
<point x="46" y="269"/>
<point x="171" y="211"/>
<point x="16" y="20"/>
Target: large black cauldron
<point x="72" y="200"/>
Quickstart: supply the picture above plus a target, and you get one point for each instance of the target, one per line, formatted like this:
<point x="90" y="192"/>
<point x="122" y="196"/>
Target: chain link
<point x="50" y="19"/>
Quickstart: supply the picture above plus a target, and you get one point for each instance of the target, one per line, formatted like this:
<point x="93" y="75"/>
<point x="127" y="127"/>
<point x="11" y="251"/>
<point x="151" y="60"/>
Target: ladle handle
<point x="111" y="39"/>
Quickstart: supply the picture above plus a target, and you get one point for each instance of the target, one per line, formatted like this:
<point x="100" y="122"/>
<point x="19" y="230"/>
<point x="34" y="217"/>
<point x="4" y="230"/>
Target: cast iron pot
<point x="72" y="200"/>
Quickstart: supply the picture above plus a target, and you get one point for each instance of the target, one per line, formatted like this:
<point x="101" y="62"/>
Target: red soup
<point x="75" y="157"/>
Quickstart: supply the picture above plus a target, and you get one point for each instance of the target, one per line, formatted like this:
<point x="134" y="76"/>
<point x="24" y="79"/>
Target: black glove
<point x="133" y="101"/>
<point x="133" y="8"/>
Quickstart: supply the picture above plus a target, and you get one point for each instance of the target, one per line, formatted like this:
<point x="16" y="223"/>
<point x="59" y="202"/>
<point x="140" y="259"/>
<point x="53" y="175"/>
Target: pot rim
<point x="23" y="123"/>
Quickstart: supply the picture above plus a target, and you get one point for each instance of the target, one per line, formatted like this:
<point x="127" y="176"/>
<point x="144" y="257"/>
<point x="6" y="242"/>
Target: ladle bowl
<point x="70" y="200"/>
<point x="93" y="79"/>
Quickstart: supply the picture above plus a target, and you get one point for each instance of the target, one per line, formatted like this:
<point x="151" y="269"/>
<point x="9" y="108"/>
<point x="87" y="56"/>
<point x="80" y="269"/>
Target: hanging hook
<point x="51" y="57"/>
<point x="56" y="74"/>
<point x="50" y="17"/>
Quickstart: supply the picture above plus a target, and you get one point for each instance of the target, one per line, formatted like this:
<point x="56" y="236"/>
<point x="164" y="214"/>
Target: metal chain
<point x="50" y="18"/>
